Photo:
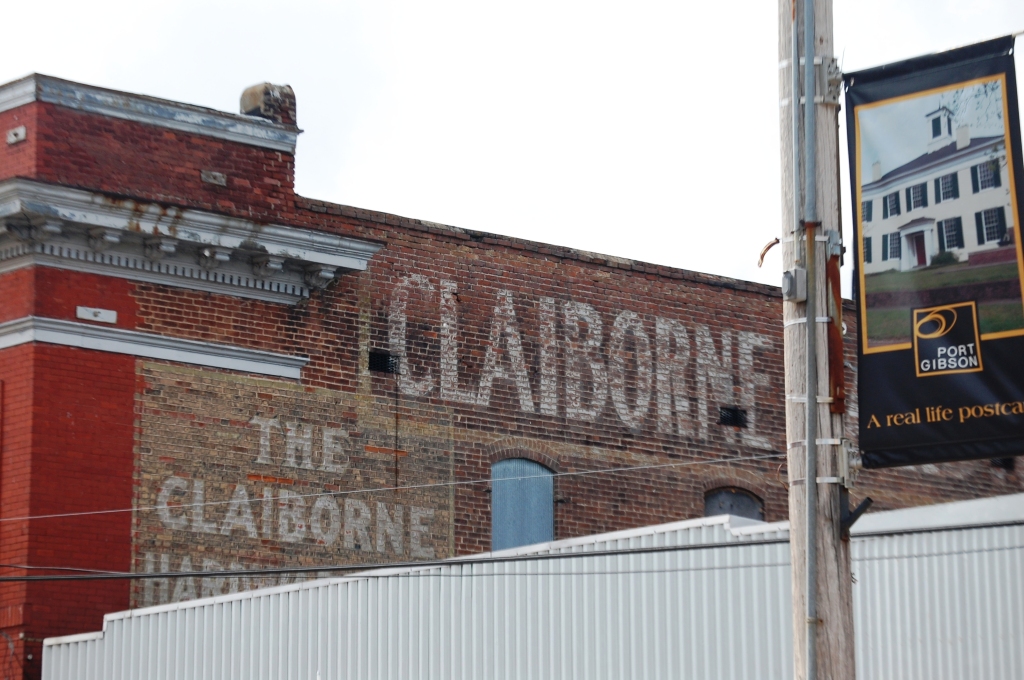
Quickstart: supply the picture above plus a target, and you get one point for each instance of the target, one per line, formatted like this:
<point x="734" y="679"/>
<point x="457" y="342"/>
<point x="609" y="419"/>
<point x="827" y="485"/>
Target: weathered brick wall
<point x="508" y="348"/>
<point x="282" y="467"/>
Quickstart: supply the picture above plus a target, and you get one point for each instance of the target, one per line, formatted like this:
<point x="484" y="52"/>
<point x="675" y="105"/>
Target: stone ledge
<point x="148" y="345"/>
<point x="56" y="226"/>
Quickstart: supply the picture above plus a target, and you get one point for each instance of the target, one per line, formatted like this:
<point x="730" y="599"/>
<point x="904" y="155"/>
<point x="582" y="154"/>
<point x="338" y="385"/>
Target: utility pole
<point x="822" y="586"/>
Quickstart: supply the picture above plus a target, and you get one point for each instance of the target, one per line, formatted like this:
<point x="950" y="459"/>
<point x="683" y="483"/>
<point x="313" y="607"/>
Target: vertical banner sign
<point x="935" y="161"/>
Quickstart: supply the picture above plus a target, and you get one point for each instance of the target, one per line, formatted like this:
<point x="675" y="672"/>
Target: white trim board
<point x="149" y="345"/>
<point x="164" y="113"/>
<point x="58" y="226"/>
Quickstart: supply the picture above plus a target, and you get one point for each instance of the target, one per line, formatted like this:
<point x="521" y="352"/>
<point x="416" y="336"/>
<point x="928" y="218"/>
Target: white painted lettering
<point x="357" y="525"/>
<point x="714" y="374"/>
<point x="628" y="326"/>
<point x="750" y="382"/>
<point x="583" y="354"/>
<point x="239" y="514"/>
<point x="267" y="520"/>
<point x="298" y="441"/>
<point x="335" y="458"/>
<point x="211" y="586"/>
<point x="171" y="486"/>
<point x="548" y="357"/>
<point x="199" y="522"/>
<point x="397" y="330"/>
<point x="291" y="516"/>
<point x="419" y="526"/>
<point x="156" y="590"/>
<point x="325" y="521"/>
<point x="673" y="348"/>
<point x="237" y="584"/>
<point x="450" y="389"/>
<point x="503" y="325"/>
<point x="266" y="425"/>
<point x="185" y="586"/>
<point x="389" y="528"/>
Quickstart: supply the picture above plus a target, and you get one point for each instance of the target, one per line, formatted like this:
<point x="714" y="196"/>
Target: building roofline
<point x="908" y="169"/>
<point x="200" y="120"/>
<point x="547" y="249"/>
<point x="268" y="134"/>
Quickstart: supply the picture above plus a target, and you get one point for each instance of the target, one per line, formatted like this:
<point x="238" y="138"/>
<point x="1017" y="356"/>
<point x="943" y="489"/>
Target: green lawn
<point x="1000" y="316"/>
<point x="892" y="325"/>
<point x="889" y="325"/>
<point x="939" y="277"/>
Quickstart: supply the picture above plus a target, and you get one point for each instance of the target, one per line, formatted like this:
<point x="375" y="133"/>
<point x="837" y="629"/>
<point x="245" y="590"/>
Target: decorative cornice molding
<point x="150" y="110"/>
<point x="148" y="345"/>
<point x="52" y="225"/>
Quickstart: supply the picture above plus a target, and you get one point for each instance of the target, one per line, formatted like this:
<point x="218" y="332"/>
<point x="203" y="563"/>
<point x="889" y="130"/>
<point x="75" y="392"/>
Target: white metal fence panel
<point x="940" y="604"/>
<point x="711" y="612"/>
<point x="933" y="604"/>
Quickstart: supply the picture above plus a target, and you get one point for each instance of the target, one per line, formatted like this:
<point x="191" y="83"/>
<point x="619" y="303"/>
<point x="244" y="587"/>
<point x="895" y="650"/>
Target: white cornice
<point x="149" y="110"/>
<point x="58" y="226"/>
<point x="148" y="345"/>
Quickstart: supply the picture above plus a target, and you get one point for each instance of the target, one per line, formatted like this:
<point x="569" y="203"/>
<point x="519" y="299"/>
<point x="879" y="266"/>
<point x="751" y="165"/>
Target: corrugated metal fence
<point x="933" y="604"/>
<point x="940" y="604"/>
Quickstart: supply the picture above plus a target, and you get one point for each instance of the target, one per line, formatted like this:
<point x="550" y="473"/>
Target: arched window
<point x="732" y="501"/>
<point x="522" y="504"/>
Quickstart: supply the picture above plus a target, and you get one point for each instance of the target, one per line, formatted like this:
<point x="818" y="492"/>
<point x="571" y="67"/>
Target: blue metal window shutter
<point x="522" y="504"/>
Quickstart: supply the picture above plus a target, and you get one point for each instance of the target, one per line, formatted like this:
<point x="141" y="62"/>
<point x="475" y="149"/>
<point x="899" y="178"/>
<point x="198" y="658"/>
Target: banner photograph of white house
<point x="938" y="213"/>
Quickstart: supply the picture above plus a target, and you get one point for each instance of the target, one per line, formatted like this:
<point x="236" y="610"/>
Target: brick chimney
<point x="273" y="102"/>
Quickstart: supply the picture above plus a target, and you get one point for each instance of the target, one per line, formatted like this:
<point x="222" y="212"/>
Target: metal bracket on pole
<point x="828" y="79"/>
<point x="847" y="517"/>
<point x="835" y="243"/>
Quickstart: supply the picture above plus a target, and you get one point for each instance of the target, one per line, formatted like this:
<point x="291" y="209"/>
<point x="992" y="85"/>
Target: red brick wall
<point x="17" y="291"/>
<point x="64" y="291"/>
<point x="67" y="446"/>
<point x="472" y="305"/>
<point x="82" y="452"/>
<point x="18" y="160"/>
<point x="15" y="476"/>
<point x="160" y="165"/>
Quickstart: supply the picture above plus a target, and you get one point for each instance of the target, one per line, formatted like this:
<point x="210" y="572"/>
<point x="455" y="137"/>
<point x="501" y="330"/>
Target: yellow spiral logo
<point x="944" y="319"/>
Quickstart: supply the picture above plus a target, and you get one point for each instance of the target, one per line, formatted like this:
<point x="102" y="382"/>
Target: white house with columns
<point x="953" y="198"/>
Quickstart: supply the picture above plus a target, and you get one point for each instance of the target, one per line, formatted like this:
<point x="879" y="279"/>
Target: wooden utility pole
<point x="822" y="643"/>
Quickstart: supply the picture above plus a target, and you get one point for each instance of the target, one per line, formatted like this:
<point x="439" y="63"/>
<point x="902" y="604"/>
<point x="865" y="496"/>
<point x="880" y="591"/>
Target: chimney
<point x="876" y="171"/>
<point x="273" y="102"/>
<point x="963" y="137"/>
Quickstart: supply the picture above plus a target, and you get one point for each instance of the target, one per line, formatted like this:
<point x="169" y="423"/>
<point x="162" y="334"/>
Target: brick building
<point x="186" y="340"/>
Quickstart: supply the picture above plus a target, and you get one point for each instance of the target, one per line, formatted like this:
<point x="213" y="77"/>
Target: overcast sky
<point x="983" y="117"/>
<point x="646" y="130"/>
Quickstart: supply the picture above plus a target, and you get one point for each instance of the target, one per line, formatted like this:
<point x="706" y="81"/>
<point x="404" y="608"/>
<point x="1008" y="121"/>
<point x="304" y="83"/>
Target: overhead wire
<point x="424" y="568"/>
<point x="423" y="564"/>
<point x="409" y="487"/>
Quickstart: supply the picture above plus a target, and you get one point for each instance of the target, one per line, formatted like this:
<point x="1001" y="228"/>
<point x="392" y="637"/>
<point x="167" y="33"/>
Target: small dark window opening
<point x="733" y="501"/>
<point x="936" y="127"/>
<point x="733" y="416"/>
<point x="381" y="361"/>
<point x="1008" y="464"/>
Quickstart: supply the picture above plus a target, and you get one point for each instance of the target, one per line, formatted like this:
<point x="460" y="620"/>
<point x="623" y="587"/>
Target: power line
<point x="465" y="482"/>
<point x="384" y="569"/>
<point x="77" y="569"/>
<point x="457" y="562"/>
